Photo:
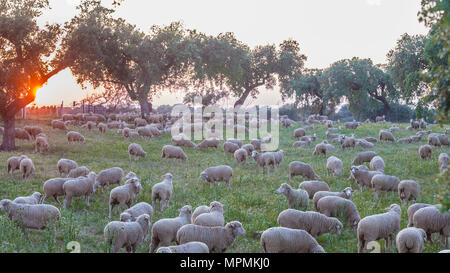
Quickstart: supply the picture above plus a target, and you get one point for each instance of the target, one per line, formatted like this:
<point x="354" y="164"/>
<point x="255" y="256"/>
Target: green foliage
<point x="290" y="110"/>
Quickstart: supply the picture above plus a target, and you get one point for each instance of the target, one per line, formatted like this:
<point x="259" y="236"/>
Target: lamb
<point x="379" y="226"/>
<point x="297" y="199"/>
<point x="413" y="208"/>
<point x="213" y="218"/>
<point x="209" y="143"/>
<point x="425" y="151"/>
<point x="363" y="157"/>
<point x="109" y="177"/>
<point x="377" y="164"/>
<point x="136" y="151"/>
<point x="264" y="160"/>
<point x="58" y="124"/>
<point x="287" y="240"/>
<point x="345" y="193"/>
<point x="351" y="125"/>
<point x="410" y="240"/>
<point x="314" y="223"/>
<point x="164" y="231"/>
<point x="408" y="190"/>
<point x="334" y="164"/>
<point x="218" y="239"/>
<point x="434" y="140"/>
<point x="73" y="136"/>
<point x="241" y="156"/>
<point x="432" y="221"/>
<point x="89" y="125"/>
<point x="102" y="127"/>
<point x="299" y="168"/>
<point x="20" y="133"/>
<point x="163" y="191"/>
<point x="124" y="195"/>
<point x="386" y="136"/>
<point x="363" y="177"/>
<point x="81" y="186"/>
<point x="191" y="247"/>
<point x="313" y="186"/>
<point x="335" y="206"/>
<point x="299" y="132"/>
<point x="127" y="234"/>
<point x="217" y="173"/>
<point x="349" y="142"/>
<point x="131" y="214"/>
<point x="320" y="148"/>
<point x="443" y="161"/>
<point x="54" y="188"/>
<point x="65" y="166"/>
<point x="30" y="216"/>
<point x="79" y="171"/>
<point x="26" y="167"/>
<point x="382" y="182"/>
<point x="169" y="151"/>
<point x="33" y="199"/>
<point x="183" y="141"/>
<point x="13" y="164"/>
<point x="229" y="147"/>
<point x="249" y="148"/>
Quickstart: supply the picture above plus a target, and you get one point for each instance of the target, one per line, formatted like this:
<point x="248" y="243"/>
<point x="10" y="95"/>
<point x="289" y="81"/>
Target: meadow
<point x="251" y="199"/>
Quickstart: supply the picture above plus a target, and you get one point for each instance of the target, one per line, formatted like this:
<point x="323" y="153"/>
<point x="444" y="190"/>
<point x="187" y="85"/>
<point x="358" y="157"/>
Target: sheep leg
<point x="161" y="205"/>
<point x="361" y="245"/>
<point x="110" y="209"/>
<point x="56" y="199"/>
<point x="154" y="244"/>
<point x="87" y="200"/>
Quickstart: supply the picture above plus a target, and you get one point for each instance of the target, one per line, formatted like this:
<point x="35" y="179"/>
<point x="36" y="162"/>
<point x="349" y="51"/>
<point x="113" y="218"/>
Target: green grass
<point x="250" y="200"/>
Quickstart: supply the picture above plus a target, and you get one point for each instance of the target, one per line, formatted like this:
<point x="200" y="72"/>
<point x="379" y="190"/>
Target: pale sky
<point x="327" y="30"/>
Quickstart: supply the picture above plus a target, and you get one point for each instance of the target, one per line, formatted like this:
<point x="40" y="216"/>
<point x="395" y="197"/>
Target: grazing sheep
<point x="408" y="190"/>
<point x="191" y="247"/>
<point x="362" y="176"/>
<point x="320" y="148"/>
<point x="229" y="147"/>
<point x="443" y="161"/>
<point x="301" y="143"/>
<point x="136" y="151"/>
<point x="41" y="144"/>
<point x="81" y="186"/>
<point x="58" y="124"/>
<point x="386" y="136"/>
<point x="79" y="171"/>
<point x="288" y="240"/>
<point x="170" y="151"/>
<point x="351" y="125"/>
<point x="297" y="199"/>
<point x="13" y="164"/>
<point x="363" y="157"/>
<point x="299" y="132"/>
<point x="313" y="186"/>
<point x="410" y="240"/>
<point x="371" y="139"/>
<point x="443" y="139"/>
<point x="163" y="191"/>
<point x="241" y="156"/>
<point x="33" y="131"/>
<point x="26" y="167"/>
<point x="377" y="164"/>
<point x="124" y="195"/>
<point x="349" y="142"/>
<point x="434" y="140"/>
<point x="256" y="143"/>
<point x="380" y="119"/>
<point x="364" y="143"/>
<point x="345" y="193"/>
<point x="264" y="160"/>
<point x="54" y="188"/>
<point x="218" y="239"/>
<point x="73" y="136"/>
<point x="164" y="231"/>
<point x="131" y="214"/>
<point x="217" y="173"/>
<point x="335" y="206"/>
<point x="183" y="141"/>
<point x="334" y="164"/>
<point x="278" y="157"/>
<point x="236" y="141"/>
<point x="20" y="133"/>
<point x="127" y="235"/>
<point x="415" y="124"/>
<point x="33" y="199"/>
<point x="379" y="226"/>
<point x="299" y="168"/>
<point x="382" y="182"/>
<point x="213" y="218"/>
<point x="199" y="210"/>
<point x="425" y="151"/>
<point x="413" y="208"/>
<point x="102" y="127"/>
<point x="65" y="166"/>
<point x="209" y="143"/>
<point x="249" y="148"/>
<point x="405" y="140"/>
<point x="432" y="221"/>
<point x="30" y="216"/>
<point x="109" y="177"/>
<point x="314" y="223"/>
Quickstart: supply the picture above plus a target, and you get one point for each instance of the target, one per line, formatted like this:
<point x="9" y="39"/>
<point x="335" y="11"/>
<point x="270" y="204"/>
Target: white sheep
<point x="190" y="247"/>
<point x="214" y="217"/>
<point x="199" y="210"/>
<point x="136" y="151"/>
<point x="218" y="239"/>
<point x="345" y="193"/>
<point x="229" y="147"/>
<point x="127" y="234"/>
<point x="135" y="211"/>
<point x="81" y="186"/>
<point x="13" y="164"/>
<point x="313" y="186"/>
<point x="299" y="168"/>
<point x="217" y="173"/>
<point x="410" y="240"/>
<point x="379" y="226"/>
<point x="108" y="177"/>
<point x="241" y="156"/>
<point x="79" y="171"/>
<point x="363" y="157"/>
<point x="314" y="223"/>
<point x="164" y="231"/>
<point x="432" y="221"/>
<point x="73" y="136"/>
<point x="54" y="188"/>
<point x="266" y="159"/>
<point x="33" y="199"/>
<point x="296" y="198"/>
<point x="65" y="166"/>
<point x="287" y="240"/>
<point x="334" y="164"/>
<point x="124" y="195"/>
<point x="163" y="191"/>
<point x="26" y="167"/>
<point x="170" y="151"/>
<point x="30" y="216"/>
<point x="443" y="161"/>
<point x="336" y="206"/>
<point x="408" y="190"/>
<point x="382" y="182"/>
<point x="363" y="176"/>
<point x="413" y="208"/>
<point x="377" y="164"/>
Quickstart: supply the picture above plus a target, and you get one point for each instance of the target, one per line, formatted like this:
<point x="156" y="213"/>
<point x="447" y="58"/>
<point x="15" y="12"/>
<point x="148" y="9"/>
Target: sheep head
<point x="236" y="228"/>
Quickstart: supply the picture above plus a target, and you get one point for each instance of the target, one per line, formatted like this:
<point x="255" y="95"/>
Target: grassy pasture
<point x="251" y="199"/>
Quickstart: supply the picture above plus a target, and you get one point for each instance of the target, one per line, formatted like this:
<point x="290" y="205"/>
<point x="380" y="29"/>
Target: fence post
<point x="61" y="112"/>
<point x="24" y="112"/>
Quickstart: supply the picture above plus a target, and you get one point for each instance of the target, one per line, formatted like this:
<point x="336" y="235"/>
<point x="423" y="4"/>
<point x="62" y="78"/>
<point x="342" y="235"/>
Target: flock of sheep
<point x="204" y="229"/>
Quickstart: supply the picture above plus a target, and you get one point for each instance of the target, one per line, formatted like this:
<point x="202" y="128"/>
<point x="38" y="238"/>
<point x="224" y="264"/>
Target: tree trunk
<point x="242" y="99"/>
<point x="9" y="135"/>
<point x="146" y="108"/>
